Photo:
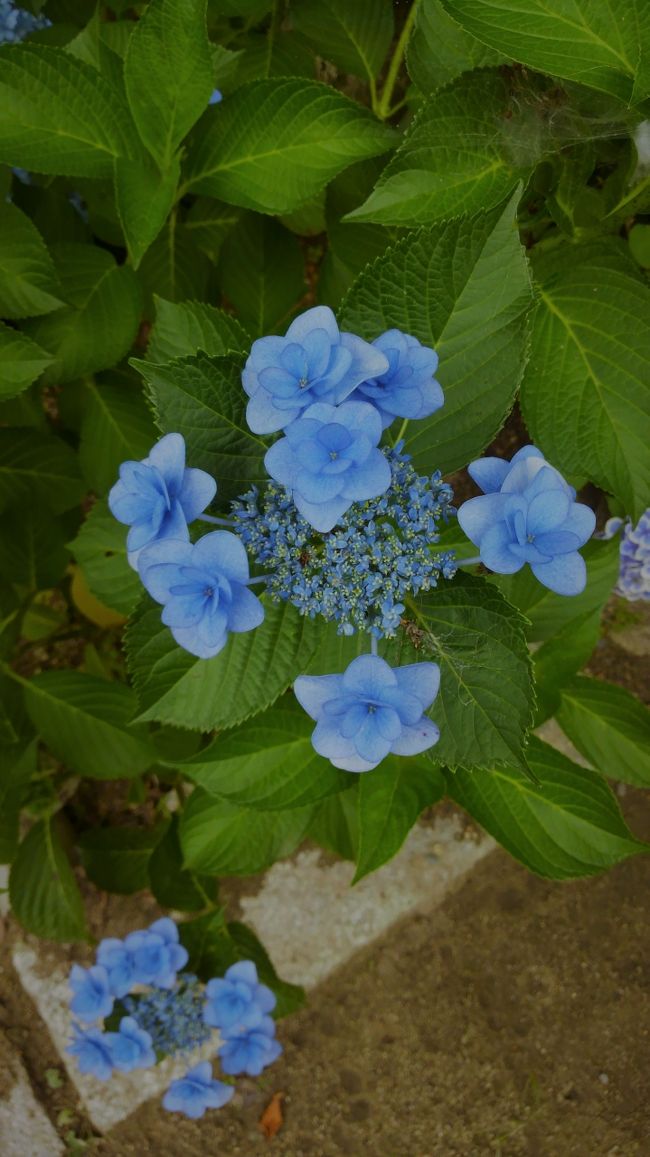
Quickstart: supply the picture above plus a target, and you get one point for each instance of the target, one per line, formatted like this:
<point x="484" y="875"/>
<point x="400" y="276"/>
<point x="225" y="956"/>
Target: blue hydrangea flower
<point x="249" y="1050"/>
<point x="528" y="515"/>
<point x="314" y="362"/>
<point x="408" y="388"/>
<point x="238" y="999"/>
<point x="216" y="97"/>
<point x="92" y="1049"/>
<point x="92" y="998"/>
<point x="16" y="23"/>
<point x="203" y="589"/>
<point x="370" y="710"/>
<point x="172" y="1017"/>
<point x="634" y="574"/>
<point x="159" y="496"/>
<point x="150" y="956"/>
<point x="196" y="1092"/>
<point x="130" y="1047"/>
<point x="328" y="459"/>
<point x="114" y="956"/>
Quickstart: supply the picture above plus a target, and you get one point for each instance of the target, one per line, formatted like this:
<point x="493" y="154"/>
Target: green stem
<point x="383" y="107"/>
<point x="401" y="432"/>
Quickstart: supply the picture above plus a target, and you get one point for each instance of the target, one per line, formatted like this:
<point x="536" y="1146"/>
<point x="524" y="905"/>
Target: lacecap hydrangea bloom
<point x="16" y="23"/>
<point x="528" y="515"/>
<point x="407" y="389"/>
<point x="633" y="581"/>
<point x="140" y="1005"/>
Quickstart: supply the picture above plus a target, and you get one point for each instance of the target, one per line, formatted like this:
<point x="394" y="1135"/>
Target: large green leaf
<point x="172" y="884"/>
<point x="208" y="222"/>
<point x="485" y="703"/>
<point x="144" y="196"/>
<point x="97" y="328"/>
<point x="568" y="825"/>
<point x="439" y="50"/>
<point x="116" y="425"/>
<point x="183" y="328"/>
<point x="472" y="295"/>
<point x="262" y="272"/>
<point x="585" y="395"/>
<point x="203" y="397"/>
<point x="85" y="721"/>
<point x="168" y="73"/>
<point x="201" y="694"/>
<point x="22" y="361"/>
<point x="610" y="727"/>
<point x="456" y="158"/>
<point x="390" y="800"/>
<point x="59" y="115"/>
<point x="335" y="823"/>
<point x="275" y="143"/>
<point x="28" y="281"/>
<point x="221" y="839"/>
<point x="100" y="550"/>
<point x="356" y="36"/>
<point x="558" y="659"/>
<point x="117" y="859"/>
<point x="35" y="465"/>
<point x="32" y="547"/>
<point x="268" y="763"/>
<point x="42" y="888"/>
<point x="595" y="43"/>
<point x="173" y="267"/>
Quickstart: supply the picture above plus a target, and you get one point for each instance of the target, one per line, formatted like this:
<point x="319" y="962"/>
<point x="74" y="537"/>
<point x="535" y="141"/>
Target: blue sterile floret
<point x="249" y="1050"/>
<point x="359" y="574"/>
<point x="408" y="388"/>
<point x="313" y="362"/>
<point x="238" y="999"/>
<point x="196" y="1092"/>
<point x="92" y="998"/>
<point x="16" y="23"/>
<point x="159" y="496"/>
<point x="328" y="459"/>
<point x="528" y="515"/>
<point x="203" y="588"/>
<point x="92" y="1049"/>
<point x="633" y="581"/>
<point x="371" y="710"/>
<point x="150" y="956"/>
<point x="130" y="1047"/>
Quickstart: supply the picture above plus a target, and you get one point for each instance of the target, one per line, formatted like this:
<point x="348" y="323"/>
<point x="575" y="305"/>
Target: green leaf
<point x="268" y="763"/>
<point x="439" y="50"/>
<point x="203" y="397"/>
<point x="42" y="888"/>
<point x="38" y="466"/>
<point x="584" y="40"/>
<point x="390" y="800"/>
<point x="189" y="326"/>
<point x="471" y="301"/>
<point x="32" y="548"/>
<point x="208" y="222"/>
<point x="117" y="859"/>
<point x="23" y="361"/>
<point x="584" y="395"/>
<point x="97" y="328"/>
<point x="202" y="694"/>
<point x="85" y="721"/>
<point x="117" y="425"/>
<point x="172" y="884"/>
<point x="356" y="37"/>
<point x="335" y="823"/>
<point x="560" y="657"/>
<point x="431" y="177"/>
<point x="275" y="143"/>
<point x="100" y="550"/>
<point x="290" y="997"/>
<point x="173" y="267"/>
<point x="262" y="273"/>
<point x="59" y="115"/>
<point x="168" y="73"/>
<point x="144" y="196"/>
<point x="570" y="825"/>
<point x="220" y="839"/>
<point x="28" y="281"/>
<point x="18" y="762"/>
<point x="485" y="703"/>
<point x="610" y="727"/>
<point x="280" y="52"/>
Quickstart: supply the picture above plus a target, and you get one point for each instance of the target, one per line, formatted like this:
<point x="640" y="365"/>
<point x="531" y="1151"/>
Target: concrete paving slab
<point x="25" y="1128"/>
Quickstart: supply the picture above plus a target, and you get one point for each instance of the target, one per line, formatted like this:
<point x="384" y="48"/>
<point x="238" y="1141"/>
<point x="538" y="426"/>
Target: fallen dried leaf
<point x="272" y="1120"/>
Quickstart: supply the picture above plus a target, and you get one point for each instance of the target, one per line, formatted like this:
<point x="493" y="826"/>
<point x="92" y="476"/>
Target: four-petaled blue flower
<point x="203" y="589"/>
<point x="314" y="362"/>
<point x="92" y="1049"/>
<point x="131" y="1046"/>
<point x="159" y="496"/>
<point x="151" y="956"/>
<point x="249" y="1050"/>
<point x="196" y="1092"/>
<point x="528" y="515"/>
<point x="329" y="459"/>
<point x="238" y="999"/>
<point x="370" y="710"/>
<point x="92" y="998"/>
<point x="408" y="388"/>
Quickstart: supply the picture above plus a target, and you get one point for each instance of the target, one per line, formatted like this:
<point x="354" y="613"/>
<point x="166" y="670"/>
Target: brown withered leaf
<point x="272" y="1120"/>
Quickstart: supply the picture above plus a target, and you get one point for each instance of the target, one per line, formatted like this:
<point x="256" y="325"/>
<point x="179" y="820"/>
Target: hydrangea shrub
<point x="324" y="344"/>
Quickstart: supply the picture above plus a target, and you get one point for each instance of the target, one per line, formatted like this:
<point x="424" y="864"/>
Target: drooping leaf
<point x="184" y="328"/>
<point x="28" y="281"/>
<point x="41" y="466"/>
<point x="439" y="50"/>
<point x="356" y="37"/>
<point x="22" y="360"/>
<point x="117" y="425"/>
<point x="262" y="273"/>
<point x="391" y="797"/>
<point x="100" y="550"/>
<point x="570" y="825"/>
<point x="173" y="885"/>
<point x="42" y="888"/>
<point x="610" y="727"/>
<point x="117" y="859"/>
<point x="219" y="838"/>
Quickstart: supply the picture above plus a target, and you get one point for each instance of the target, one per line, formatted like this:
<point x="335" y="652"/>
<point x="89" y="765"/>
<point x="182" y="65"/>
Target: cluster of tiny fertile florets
<point x="172" y="1017"/>
<point x="15" y="22"/>
<point x="359" y="573"/>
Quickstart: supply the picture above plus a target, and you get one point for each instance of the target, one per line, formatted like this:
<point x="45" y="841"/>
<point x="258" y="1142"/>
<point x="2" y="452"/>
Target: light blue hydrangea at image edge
<point x="633" y="581"/>
<point x="16" y="23"/>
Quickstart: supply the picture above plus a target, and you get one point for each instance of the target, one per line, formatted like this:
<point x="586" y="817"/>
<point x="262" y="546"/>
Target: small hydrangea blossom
<point x="216" y="97"/>
<point x="314" y="362"/>
<point x="92" y="1049"/>
<point x="203" y="588"/>
<point x="527" y="514"/>
<point x="16" y="23"/>
<point x="238" y="999"/>
<point x="249" y="1050"/>
<point x="634" y="574"/>
<point x="370" y="710"/>
<point x="152" y="956"/>
<point x="130" y="1047"/>
<point x="159" y="496"/>
<point x="196" y="1092"/>
<point x="92" y="998"/>
<point x="328" y="459"/>
<point x="408" y="388"/>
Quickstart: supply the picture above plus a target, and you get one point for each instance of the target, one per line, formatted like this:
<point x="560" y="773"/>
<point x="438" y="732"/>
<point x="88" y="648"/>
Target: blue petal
<point x="547" y="511"/>
<point x="222" y="553"/>
<point x="168" y="456"/>
<point x="313" y="691"/>
<point x="319" y="317"/>
<point x="190" y="640"/>
<point x="323" y="516"/>
<point x="165" y="558"/>
<point x="489" y="473"/>
<point x="317" y="346"/>
<point x="369" y="480"/>
<point x="566" y="574"/>
<point x="529" y="451"/>
<point x="414" y="740"/>
<point x="197" y="491"/>
<point x="245" y="612"/>
<point x="388" y="723"/>
<point x="263" y="417"/>
<point x="367" y="360"/>
<point x="183" y="611"/>
<point x="360" y="417"/>
<point x="368" y="676"/>
<point x="369" y="743"/>
<point x="522" y="474"/>
<point x="328" y="741"/>
<point x="280" y="462"/>
<point x="478" y="515"/>
<point x="556" y="542"/>
<point x="496" y="553"/>
<point x="421" y="680"/>
<point x="581" y="521"/>
<point x="318" y="488"/>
